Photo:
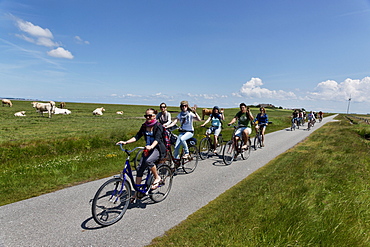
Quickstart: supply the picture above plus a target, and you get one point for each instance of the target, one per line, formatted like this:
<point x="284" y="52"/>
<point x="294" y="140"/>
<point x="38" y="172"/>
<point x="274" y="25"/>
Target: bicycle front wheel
<point x="220" y="144"/>
<point x="228" y="153"/>
<point x="189" y="164"/>
<point x="137" y="159"/>
<point x="159" y="194"/>
<point x="111" y="201"/>
<point x="204" y="148"/>
<point x="246" y="152"/>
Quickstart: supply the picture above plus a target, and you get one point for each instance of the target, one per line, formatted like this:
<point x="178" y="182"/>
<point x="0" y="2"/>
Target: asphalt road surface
<point x="63" y="218"/>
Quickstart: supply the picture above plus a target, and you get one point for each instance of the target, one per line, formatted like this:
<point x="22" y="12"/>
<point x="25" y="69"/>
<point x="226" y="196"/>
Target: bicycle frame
<point x="127" y="172"/>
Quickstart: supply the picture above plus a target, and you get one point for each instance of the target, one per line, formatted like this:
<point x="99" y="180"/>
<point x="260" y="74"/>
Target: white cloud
<point x="61" y="53"/>
<point x="358" y="90"/>
<point x="33" y="30"/>
<point x="81" y="41"/>
<point x="253" y="89"/>
<point x="41" y="36"/>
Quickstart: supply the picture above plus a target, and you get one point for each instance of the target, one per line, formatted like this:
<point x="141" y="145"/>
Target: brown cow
<point x="207" y="112"/>
<point x="62" y="105"/>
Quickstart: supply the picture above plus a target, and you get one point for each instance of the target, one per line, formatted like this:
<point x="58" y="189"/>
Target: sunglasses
<point x="183" y="105"/>
<point x="149" y="115"/>
<point x="162" y="107"/>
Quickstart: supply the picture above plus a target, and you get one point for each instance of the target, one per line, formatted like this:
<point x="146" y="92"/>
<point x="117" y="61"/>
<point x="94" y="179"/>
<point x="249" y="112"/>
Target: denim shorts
<point x="240" y="130"/>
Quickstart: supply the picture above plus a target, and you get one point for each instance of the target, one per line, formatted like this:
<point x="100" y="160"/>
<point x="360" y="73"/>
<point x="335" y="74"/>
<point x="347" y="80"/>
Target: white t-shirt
<point x="186" y="121"/>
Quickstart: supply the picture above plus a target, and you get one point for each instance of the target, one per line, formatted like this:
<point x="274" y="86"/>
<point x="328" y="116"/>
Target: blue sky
<point x="312" y="54"/>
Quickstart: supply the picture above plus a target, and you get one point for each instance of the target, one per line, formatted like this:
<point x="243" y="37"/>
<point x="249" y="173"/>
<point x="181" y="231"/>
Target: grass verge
<point x="316" y="194"/>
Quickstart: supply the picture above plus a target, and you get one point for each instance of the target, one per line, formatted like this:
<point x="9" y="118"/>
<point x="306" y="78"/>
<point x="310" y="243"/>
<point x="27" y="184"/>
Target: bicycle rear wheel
<point x="246" y="152"/>
<point x="257" y="142"/>
<point x="228" y="153"/>
<point x="204" y="148"/>
<point x="159" y="194"/>
<point x="111" y="201"/>
<point x="189" y="164"/>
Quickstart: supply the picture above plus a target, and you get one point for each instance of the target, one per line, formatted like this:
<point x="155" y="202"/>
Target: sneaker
<point x="186" y="156"/>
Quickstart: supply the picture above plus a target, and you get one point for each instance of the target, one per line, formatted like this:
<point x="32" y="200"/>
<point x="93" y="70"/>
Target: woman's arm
<point x="207" y="121"/>
<point x="173" y="123"/>
<point x="131" y="140"/>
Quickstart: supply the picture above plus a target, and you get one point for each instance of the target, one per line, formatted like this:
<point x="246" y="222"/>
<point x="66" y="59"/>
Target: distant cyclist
<point x="164" y="117"/>
<point x="262" y="121"/>
<point x="321" y="115"/>
<point x="216" y="125"/>
<point x="295" y="116"/>
<point x="311" y="118"/>
<point x="245" y="119"/>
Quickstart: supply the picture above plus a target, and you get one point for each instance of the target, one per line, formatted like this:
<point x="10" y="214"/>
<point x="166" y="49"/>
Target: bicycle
<point x="113" y="198"/>
<point x="188" y="164"/>
<point x="257" y="143"/>
<point x="294" y="124"/>
<point x="206" y="146"/>
<point x="232" y="149"/>
<point x="311" y="123"/>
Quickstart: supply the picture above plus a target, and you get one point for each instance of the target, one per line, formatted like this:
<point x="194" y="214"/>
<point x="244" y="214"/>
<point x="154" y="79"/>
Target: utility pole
<point x="349" y="101"/>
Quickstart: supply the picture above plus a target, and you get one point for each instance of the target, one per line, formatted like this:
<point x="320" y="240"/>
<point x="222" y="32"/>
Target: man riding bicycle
<point x="245" y="119"/>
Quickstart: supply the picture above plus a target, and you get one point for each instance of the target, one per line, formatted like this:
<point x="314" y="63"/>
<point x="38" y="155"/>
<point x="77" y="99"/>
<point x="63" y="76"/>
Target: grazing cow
<point x="98" y="111"/>
<point x="62" y="111"/>
<point x="119" y="112"/>
<point x="62" y="105"/>
<point x="6" y="102"/>
<point x="44" y="107"/>
<point x="207" y="112"/>
<point x="20" y="114"/>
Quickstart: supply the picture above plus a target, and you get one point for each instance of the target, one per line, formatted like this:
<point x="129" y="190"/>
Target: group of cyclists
<point x="155" y="123"/>
<point x="299" y="117"/>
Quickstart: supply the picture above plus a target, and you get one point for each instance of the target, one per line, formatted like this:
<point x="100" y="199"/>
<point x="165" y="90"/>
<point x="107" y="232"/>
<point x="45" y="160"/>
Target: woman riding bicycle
<point x="216" y="116"/>
<point x="155" y="148"/>
<point x="185" y="117"/>
<point x="262" y="120"/>
<point x="245" y="119"/>
<point x="164" y="117"/>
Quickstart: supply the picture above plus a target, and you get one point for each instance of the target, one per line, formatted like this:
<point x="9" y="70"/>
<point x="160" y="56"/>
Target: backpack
<point x="165" y="136"/>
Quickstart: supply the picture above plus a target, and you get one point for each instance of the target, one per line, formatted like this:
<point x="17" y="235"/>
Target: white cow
<point x="6" y="102"/>
<point x="119" y="112"/>
<point x="20" y="114"/>
<point x="62" y="111"/>
<point x="44" y="107"/>
<point x="98" y="111"/>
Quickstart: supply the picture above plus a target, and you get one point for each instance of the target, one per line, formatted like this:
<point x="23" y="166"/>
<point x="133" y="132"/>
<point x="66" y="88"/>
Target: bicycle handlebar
<point x="128" y="151"/>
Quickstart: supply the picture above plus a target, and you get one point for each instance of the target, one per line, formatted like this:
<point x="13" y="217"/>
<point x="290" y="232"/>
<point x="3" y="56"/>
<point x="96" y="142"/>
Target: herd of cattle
<point x="50" y="108"/>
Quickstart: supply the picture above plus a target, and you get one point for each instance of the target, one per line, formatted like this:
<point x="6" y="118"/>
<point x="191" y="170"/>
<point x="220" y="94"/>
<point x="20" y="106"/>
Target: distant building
<point x="266" y="105"/>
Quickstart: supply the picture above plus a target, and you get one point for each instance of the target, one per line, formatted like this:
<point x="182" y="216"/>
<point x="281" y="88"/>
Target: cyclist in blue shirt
<point x="216" y="125"/>
<point x="262" y="121"/>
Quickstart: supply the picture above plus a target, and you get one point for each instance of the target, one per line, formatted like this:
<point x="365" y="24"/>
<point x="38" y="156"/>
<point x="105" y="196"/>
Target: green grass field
<point x="316" y="194"/>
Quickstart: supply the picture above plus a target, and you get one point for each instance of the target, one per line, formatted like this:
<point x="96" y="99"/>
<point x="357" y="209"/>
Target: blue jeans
<point x="181" y="141"/>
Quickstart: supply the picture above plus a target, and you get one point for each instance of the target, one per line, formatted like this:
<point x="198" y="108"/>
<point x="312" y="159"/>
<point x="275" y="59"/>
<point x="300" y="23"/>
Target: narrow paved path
<point x="63" y="218"/>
